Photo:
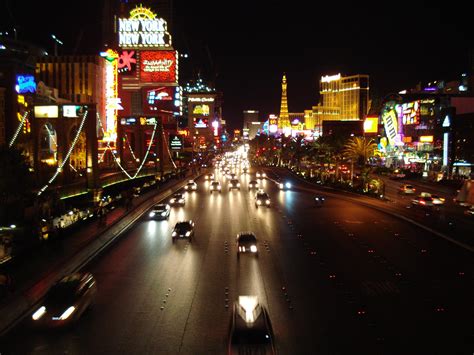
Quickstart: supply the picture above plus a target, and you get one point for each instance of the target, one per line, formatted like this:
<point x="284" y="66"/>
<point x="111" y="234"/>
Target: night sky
<point x="245" y="46"/>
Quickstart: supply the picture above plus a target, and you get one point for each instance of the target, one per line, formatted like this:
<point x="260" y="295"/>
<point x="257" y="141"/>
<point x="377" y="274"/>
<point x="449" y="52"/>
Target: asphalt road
<point x="340" y="279"/>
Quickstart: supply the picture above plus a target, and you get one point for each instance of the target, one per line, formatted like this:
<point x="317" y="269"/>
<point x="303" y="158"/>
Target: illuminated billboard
<point x="51" y="111"/>
<point x="158" y="66"/>
<point x="371" y="124"/>
<point x="176" y="142"/>
<point x="201" y="122"/>
<point x="409" y="112"/>
<point x="161" y="99"/>
<point x="143" y="29"/>
<point x="201" y="110"/>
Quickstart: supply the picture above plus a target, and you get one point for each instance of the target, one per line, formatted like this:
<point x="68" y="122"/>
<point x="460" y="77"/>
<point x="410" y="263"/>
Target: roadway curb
<point x="380" y="209"/>
<point x="13" y="312"/>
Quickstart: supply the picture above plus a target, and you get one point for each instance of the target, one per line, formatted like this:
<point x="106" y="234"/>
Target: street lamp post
<point x="56" y="42"/>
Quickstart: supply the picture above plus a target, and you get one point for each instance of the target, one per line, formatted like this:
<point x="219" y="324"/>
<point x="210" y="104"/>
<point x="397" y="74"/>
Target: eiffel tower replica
<point x="284" y="118"/>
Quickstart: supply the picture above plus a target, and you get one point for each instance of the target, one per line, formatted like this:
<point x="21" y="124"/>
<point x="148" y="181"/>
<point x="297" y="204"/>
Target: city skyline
<point x="246" y="52"/>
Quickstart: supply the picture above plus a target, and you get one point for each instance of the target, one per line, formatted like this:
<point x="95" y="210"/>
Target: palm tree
<point x="360" y="150"/>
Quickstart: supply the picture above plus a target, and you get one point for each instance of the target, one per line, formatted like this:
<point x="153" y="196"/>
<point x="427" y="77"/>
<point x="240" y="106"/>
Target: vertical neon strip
<point x="445" y="148"/>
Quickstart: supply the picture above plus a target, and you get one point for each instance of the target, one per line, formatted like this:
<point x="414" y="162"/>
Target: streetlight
<point x="56" y="41"/>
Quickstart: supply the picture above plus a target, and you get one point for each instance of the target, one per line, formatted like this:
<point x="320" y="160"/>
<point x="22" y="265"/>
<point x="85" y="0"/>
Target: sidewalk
<point x="68" y="253"/>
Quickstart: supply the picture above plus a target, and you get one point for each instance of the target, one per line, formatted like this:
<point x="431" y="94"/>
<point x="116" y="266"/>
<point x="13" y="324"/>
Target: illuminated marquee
<point x="201" y="123"/>
<point x="161" y="99"/>
<point x="201" y="99"/>
<point x="158" y="66"/>
<point x="143" y="29"/>
<point x="112" y="102"/>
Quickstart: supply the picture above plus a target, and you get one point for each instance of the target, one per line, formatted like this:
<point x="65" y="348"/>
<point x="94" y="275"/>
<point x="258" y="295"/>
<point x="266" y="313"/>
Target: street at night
<point x="250" y="178"/>
<point x="336" y="279"/>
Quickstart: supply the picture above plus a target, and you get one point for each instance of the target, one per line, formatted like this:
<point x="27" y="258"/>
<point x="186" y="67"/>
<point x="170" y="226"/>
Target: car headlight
<point x="188" y="234"/>
<point x="280" y="186"/>
<point x="288" y="185"/>
<point x="259" y="202"/>
<point x="173" y="234"/>
<point x="181" y="200"/>
<point x="186" y="187"/>
<point x="152" y="214"/>
<point x="267" y="202"/>
<point x="194" y="187"/>
<point x="172" y="200"/>
<point x="218" y="187"/>
<point x="67" y="313"/>
<point x="253" y="248"/>
<point x="163" y="214"/>
<point x="238" y="184"/>
<point x="39" y="313"/>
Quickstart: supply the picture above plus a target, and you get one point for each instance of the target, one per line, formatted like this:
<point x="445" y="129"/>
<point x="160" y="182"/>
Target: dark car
<point x="215" y="186"/>
<point x="253" y="185"/>
<point x="66" y="301"/>
<point x="250" y="329"/>
<point x="183" y="229"/>
<point x="262" y="199"/>
<point x="160" y="211"/>
<point x="177" y="200"/>
<point x="246" y="243"/>
<point x="234" y="184"/>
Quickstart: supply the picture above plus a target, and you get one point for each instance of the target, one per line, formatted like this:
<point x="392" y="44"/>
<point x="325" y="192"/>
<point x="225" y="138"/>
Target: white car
<point x="191" y="186"/>
<point x="215" y="186"/>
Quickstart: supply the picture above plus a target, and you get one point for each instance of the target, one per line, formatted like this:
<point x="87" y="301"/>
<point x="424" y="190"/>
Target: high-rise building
<point x="284" y="119"/>
<point x="349" y="95"/>
<point x="249" y="117"/>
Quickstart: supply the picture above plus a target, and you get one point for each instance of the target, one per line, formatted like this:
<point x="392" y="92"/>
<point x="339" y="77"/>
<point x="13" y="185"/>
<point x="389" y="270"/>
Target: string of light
<point x="130" y="147"/>
<point x="144" y="158"/>
<point x="51" y="135"/>
<point x="18" y="130"/>
<point x="66" y="158"/>
<point x="168" y="149"/>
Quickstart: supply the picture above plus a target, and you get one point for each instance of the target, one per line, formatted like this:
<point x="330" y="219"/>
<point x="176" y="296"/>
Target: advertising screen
<point x="158" y="66"/>
<point x="161" y="99"/>
<point x="371" y="124"/>
<point x="201" y="109"/>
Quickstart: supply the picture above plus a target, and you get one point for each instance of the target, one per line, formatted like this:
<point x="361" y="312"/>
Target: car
<point x="397" y="175"/>
<point x="469" y="211"/>
<point x="251" y="331"/>
<point x="438" y="200"/>
<point x="245" y="170"/>
<point x="406" y="189"/>
<point x="246" y="243"/>
<point x="319" y="200"/>
<point x="215" y="186"/>
<point x="177" y="200"/>
<point x="183" y="229"/>
<point x="160" y="211"/>
<point x="191" y="186"/>
<point x="66" y="301"/>
<point x="262" y="199"/>
<point x="423" y="201"/>
<point x="234" y="184"/>
<point x="260" y="175"/>
<point x="209" y="177"/>
<point x="284" y="185"/>
<point x="253" y="185"/>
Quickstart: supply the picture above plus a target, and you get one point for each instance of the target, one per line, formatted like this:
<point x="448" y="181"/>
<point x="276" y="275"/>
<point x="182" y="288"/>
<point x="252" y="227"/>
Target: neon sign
<point x="143" y="29"/>
<point x="25" y="84"/>
<point x="127" y="62"/>
<point x="409" y="112"/>
<point x="112" y="102"/>
<point x="390" y="123"/>
<point x="201" y="110"/>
